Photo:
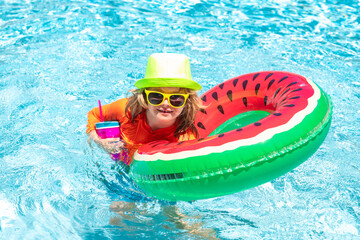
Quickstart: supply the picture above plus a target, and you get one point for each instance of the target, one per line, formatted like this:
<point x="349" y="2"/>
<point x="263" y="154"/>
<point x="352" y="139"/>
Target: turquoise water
<point x="57" y="58"/>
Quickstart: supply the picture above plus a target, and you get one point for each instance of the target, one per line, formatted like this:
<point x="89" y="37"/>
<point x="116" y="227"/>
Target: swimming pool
<point x="57" y="58"/>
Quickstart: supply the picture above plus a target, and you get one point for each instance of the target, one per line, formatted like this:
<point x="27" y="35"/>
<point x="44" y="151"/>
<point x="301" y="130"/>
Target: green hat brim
<point x="167" y="82"/>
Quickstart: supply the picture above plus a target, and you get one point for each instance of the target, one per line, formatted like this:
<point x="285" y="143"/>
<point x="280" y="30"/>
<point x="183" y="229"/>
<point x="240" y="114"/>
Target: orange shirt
<point x="133" y="133"/>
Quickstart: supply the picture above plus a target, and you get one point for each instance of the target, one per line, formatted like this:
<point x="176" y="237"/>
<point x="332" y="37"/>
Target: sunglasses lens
<point x="155" y="98"/>
<point x="177" y="100"/>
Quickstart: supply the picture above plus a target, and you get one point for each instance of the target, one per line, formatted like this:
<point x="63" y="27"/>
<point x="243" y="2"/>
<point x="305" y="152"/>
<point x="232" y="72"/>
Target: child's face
<point x="163" y="115"/>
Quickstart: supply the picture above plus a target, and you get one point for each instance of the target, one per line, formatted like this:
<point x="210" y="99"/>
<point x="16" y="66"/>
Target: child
<point x="163" y="107"/>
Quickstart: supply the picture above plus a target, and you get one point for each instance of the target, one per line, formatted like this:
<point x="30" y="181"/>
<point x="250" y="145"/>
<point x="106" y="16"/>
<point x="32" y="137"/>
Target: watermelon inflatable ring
<point x="254" y="128"/>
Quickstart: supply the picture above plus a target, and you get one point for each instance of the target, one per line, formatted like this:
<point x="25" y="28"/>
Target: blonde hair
<point x="185" y="121"/>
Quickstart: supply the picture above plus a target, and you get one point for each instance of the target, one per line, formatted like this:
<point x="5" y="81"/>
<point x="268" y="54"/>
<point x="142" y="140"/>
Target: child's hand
<point x="110" y="145"/>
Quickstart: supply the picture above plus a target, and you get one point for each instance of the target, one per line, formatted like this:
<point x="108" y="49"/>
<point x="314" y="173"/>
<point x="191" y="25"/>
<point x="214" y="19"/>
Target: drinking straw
<point x="101" y="115"/>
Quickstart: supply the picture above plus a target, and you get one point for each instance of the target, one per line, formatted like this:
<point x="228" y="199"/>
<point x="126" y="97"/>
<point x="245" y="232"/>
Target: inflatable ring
<point x="254" y="128"/>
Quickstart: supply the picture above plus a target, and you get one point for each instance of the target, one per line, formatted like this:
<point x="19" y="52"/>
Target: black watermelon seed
<point x="180" y="143"/>
<point x="270" y="83"/>
<point x="296" y="97"/>
<point x="269" y="75"/>
<point x="277" y="114"/>
<point x="285" y="92"/>
<point x="277" y="91"/>
<point x="200" y="125"/>
<point x="265" y="100"/>
<point x="282" y="79"/>
<point x="293" y="83"/>
<point x="289" y="105"/>
<point x="296" y="90"/>
<point x="257" y="124"/>
<point x="200" y="139"/>
<point x="229" y="94"/>
<point x="168" y="143"/>
<point x="255" y="76"/>
<point x="215" y="95"/>
<point x="203" y="98"/>
<point x="203" y="111"/>
<point x="245" y="84"/>
<point x="239" y="129"/>
<point x="283" y="100"/>
<point x="221" y="86"/>
<point x="220" y="108"/>
<point x="155" y="145"/>
<point x="235" y="82"/>
<point x="257" y="88"/>
<point x="221" y="135"/>
<point x="245" y="101"/>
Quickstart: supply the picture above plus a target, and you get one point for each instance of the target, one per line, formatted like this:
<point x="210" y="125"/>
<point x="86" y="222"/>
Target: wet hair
<point x="137" y="104"/>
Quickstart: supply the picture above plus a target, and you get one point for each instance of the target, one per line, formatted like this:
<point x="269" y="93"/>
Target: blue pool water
<point x="57" y="58"/>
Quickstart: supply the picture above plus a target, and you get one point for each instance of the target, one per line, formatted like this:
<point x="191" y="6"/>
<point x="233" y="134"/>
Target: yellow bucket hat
<point x="168" y="70"/>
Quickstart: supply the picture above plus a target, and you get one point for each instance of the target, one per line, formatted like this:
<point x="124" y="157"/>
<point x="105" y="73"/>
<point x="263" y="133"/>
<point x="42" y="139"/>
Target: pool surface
<point x="58" y="58"/>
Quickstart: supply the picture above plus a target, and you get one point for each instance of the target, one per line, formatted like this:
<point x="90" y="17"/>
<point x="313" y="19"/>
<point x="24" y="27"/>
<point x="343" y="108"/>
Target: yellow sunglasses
<point x="176" y="100"/>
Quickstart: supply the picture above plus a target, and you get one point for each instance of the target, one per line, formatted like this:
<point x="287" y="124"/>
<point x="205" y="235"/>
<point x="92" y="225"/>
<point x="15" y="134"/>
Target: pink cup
<point x="111" y="129"/>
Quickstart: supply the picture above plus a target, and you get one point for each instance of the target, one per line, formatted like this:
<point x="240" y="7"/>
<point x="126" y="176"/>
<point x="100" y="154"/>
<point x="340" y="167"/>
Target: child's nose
<point x="166" y="102"/>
